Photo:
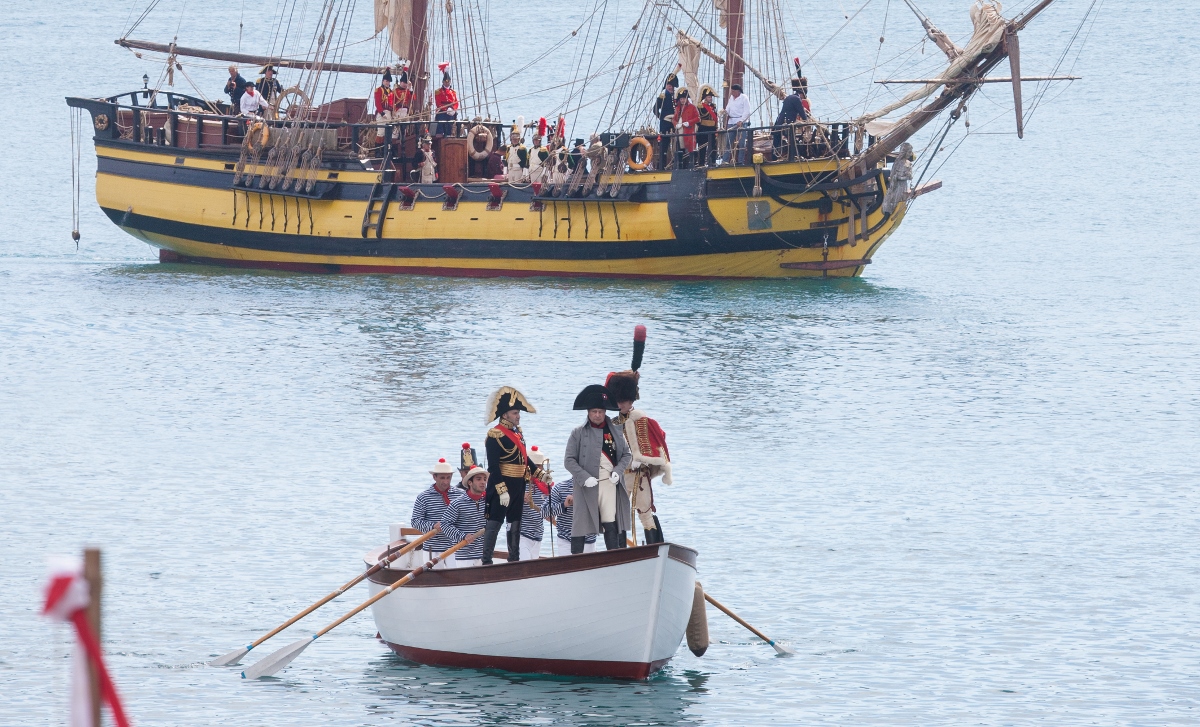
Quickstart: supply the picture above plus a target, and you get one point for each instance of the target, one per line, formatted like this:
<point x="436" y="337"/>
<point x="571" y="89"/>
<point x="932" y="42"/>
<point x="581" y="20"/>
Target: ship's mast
<point x="419" y="51"/>
<point x="735" y="31"/>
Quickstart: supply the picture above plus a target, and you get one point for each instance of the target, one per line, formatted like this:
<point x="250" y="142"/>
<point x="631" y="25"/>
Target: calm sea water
<point x="963" y="488"/>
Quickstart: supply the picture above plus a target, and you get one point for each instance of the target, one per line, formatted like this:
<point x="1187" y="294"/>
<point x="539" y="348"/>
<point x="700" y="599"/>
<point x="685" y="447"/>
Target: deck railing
<point x="168" y="119"/>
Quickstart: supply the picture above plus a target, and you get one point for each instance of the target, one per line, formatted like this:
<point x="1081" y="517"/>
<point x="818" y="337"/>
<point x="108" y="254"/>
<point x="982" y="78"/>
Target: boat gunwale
<point x="528" y="569"/>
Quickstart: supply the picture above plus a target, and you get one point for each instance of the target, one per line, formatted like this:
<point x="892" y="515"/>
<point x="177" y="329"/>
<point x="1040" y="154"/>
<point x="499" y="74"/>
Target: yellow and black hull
<point x="686" y="224"/>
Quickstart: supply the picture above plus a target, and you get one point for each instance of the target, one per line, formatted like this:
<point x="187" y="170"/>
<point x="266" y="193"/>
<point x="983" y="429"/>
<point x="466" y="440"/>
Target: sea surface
<point x="963" y="488"/>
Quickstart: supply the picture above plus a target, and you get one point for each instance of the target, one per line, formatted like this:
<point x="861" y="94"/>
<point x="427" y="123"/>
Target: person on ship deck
<point x="445" y="100"/>
<point x="235" y="87"/>
<point x="792" y="111"/>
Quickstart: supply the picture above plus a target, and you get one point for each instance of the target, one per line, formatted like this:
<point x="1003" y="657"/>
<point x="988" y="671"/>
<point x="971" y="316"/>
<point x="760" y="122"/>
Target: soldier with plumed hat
<point x="510" y="469"/>
<point x="596" y="457"/>
<point x="646" y="439"/>
<point x="445" y="101"/>
<point x="402" y="97"/>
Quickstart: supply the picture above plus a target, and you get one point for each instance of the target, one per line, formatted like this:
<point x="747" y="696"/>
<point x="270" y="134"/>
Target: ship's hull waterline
<point x="687" y="224"/>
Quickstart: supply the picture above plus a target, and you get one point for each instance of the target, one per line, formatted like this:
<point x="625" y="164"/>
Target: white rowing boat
<point x="619" y="613"/>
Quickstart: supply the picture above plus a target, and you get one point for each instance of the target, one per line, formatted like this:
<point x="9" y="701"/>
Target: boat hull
<point x="690" y="224"/>
<point x="612" y="614"/>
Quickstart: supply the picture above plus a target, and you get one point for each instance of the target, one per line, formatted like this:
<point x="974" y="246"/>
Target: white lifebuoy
<point x="471" y="136"/>
<point x="647" y="153"/>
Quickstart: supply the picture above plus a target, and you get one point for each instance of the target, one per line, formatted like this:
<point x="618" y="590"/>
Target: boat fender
<point x="697" y="628"/>
<point x="487" y="150"/>
<point x="647" y="152"/>
<point x="263" y="136"/>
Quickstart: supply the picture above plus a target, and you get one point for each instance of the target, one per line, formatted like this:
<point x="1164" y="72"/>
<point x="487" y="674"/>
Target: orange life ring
<point x="264" y="135"/>
<point x="647" y="153"/>
<point x="487" y="151"/>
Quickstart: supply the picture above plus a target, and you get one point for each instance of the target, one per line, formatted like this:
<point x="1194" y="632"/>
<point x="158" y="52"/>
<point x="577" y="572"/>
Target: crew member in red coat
<point x="384" y="99"/>
<point x="445" y="101"/>
<point x="687" y="122"/>
<point x="402" y="97"/>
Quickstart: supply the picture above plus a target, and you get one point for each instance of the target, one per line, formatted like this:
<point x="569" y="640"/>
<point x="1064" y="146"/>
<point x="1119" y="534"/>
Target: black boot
<point x="514" y="542"/>
<point x="577" y="543"/>
<point x="623" y="539"/>
<point x="610" y="535"/>
<point x="658" y="529"/>
<point x="491" y="530"/>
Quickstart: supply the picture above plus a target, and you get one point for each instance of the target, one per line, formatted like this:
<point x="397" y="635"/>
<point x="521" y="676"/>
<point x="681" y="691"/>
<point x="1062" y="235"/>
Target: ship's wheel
<point x="291" y="103"/>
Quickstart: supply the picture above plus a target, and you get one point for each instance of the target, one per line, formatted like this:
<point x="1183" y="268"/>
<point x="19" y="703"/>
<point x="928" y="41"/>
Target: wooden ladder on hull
<point x="377" y="206"/>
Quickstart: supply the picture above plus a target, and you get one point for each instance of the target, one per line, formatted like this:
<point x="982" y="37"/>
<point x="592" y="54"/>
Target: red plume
<point x="443" y="66"/>
<point x="639" y="333"/>
<point x="542" y="126"/>
<point x="562" y="127"/>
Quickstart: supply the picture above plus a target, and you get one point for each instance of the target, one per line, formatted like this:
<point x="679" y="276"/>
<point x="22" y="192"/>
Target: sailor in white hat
<point x="432" y="504"/>
<point x="467" y="514"/>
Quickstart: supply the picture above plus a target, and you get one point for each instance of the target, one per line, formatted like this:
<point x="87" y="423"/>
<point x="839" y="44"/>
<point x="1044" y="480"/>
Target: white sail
<point x="396" y="16"/>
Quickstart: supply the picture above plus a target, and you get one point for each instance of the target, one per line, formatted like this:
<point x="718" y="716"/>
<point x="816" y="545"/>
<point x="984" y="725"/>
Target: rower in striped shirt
<point x="559" y="508"/>
<point x="466" y="515"/>
<point x="533" y="519"/>
<point x="432" y="504"/>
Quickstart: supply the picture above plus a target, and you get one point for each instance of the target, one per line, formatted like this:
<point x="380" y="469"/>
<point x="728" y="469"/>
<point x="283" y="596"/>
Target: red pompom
<point x="639" y="333"/>
<point x="466" y="445"/>
<point x="442" y="460"/>
<point x="535" y="447"/>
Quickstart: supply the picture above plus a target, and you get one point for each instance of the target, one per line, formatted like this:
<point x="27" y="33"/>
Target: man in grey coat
<point x="596" y="456"/>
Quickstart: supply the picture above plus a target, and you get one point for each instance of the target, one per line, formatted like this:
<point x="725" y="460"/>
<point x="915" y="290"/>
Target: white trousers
<point x="564" y="546"/>
<point x="441" y="564"/>
<point x="471" y="563"/>
<point x="530" y="549"/>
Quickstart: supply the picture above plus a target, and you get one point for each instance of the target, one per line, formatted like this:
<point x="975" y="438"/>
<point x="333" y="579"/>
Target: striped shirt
<point x="428" y="511"/>
<point x="533" y="518"/>
<point x="463" y="517"/>
<point x="556" y="507"/>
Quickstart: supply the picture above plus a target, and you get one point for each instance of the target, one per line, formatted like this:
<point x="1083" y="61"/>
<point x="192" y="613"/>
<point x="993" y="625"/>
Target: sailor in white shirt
<point x="252" y="101"/>
<point x="737" y="122"/>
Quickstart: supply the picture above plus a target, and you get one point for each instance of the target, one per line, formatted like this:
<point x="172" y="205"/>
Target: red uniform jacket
<point x="446" y="100"/>
<point x="383" y="100"/>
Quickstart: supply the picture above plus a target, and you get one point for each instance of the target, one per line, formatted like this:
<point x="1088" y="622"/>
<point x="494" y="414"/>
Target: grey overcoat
<point x="582" y="460"/>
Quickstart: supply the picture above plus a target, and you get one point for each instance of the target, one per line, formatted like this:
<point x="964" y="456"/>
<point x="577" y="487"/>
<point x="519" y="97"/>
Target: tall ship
<point x="690" y="152"/>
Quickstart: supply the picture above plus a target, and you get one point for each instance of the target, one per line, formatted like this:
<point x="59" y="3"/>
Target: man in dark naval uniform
<point x="664" y="109"/>
<point x="509" y="470"/>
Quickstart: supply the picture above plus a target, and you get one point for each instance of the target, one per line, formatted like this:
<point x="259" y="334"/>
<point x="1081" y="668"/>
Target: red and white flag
<point x="67" y="598"/>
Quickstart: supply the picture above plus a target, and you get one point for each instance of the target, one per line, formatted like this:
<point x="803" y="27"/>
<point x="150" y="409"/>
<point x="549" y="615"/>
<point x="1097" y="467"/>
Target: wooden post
<point x="91" y="572"/>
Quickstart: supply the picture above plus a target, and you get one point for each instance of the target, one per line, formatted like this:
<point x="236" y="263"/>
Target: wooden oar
<point x="277" y="660"/>
<point x="236" y="655"/>
<point x="778" y="648"/>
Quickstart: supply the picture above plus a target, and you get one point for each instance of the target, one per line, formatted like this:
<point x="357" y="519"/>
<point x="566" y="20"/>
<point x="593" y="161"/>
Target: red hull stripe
<point x="168" y="256"/>
<point x="523" y="665"/>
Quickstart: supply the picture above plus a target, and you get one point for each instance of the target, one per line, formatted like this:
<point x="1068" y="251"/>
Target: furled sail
<point x="396" y="16"/>
<point x="989" y="29"/>
<point x="689" y="59"/>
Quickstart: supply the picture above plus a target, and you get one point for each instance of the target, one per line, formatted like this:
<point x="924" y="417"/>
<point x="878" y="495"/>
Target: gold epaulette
<point x="495" y="433"/>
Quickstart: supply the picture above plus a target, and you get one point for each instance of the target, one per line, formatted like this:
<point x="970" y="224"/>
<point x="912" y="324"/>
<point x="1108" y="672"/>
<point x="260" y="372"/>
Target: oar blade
<point x="276" y="660"/>
<point x="781" y="649"/>
<point x="231" y="658"/>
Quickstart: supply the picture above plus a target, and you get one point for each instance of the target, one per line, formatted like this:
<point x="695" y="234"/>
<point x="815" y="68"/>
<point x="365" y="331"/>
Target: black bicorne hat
<point x="403" y="77"/>
<point x="387" y="75"/>
<point x="672" y="80"/>
<point x="594" y="396"/>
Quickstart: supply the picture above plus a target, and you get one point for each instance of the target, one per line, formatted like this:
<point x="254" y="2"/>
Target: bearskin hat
<point x="467" y="459"/>
<point x="623" y="386"/>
